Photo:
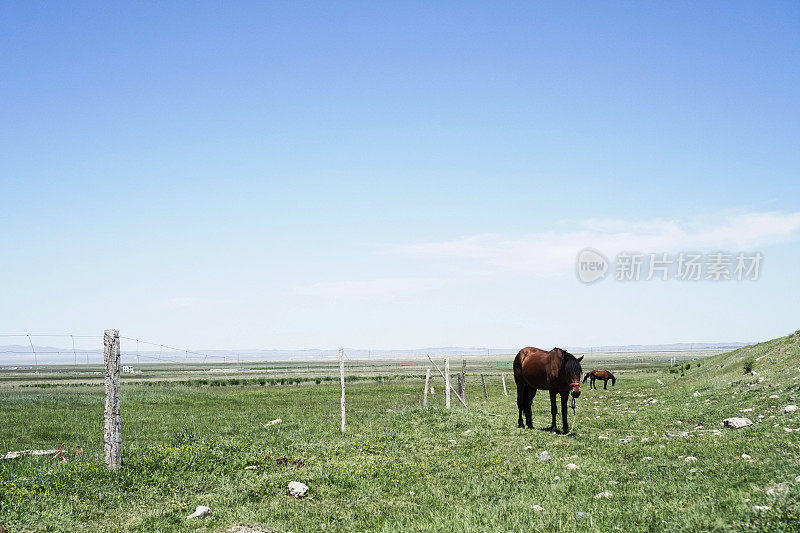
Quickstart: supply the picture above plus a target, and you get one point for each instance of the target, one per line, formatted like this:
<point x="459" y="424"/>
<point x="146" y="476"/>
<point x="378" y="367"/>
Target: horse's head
<point x="571" y="366"/>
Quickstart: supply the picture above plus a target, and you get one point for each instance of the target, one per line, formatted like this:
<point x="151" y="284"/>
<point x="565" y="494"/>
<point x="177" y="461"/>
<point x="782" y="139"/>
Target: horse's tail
<point x="613" y="379"/>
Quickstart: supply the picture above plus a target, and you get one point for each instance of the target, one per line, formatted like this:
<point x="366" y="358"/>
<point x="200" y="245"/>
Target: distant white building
<point x="128" y="369"/>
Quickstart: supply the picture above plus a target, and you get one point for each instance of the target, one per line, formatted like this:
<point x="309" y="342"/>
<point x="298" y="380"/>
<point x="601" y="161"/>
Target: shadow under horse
<point x="556" y="371"/>
<point x="603" y="375"/>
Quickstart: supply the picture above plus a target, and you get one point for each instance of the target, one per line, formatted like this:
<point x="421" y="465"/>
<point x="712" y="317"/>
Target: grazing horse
<point x="557" y="371"/>
<point x="604" y="375"/>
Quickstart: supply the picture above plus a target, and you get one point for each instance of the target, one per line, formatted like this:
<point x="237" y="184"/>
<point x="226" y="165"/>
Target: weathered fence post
<point x="505" y="390"/>
<point x="341" y="379"/>
<point x="447" y="381"/>
<point x="112" y="439"/>
<point x="427" y="385"/>
<point x="462" y="380"/>
<point x="483" y="382"/>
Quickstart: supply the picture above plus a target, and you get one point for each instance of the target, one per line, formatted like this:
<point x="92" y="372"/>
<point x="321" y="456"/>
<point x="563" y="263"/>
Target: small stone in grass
<point x="790" y="408"/>
<point x="779" y="488"/>
<point x="572" y="466"/>
<point x="528" y="447"/>
<point x="737" y="422"/>
<point x="760" y="508"/>
<point x="199" y="512"/>
<point x="797" y="479"/>
<point x="544" y="456"/>
<point x="251" y="467"/>
<point x="603" y="495"/>
<point x="773" y="396"/>
<point x="745" y="456"/>
<point x="537" y="508"/>
<point x="581" y="514"/>
<point x="690" y="459"/>
<point x="297" y="489"/>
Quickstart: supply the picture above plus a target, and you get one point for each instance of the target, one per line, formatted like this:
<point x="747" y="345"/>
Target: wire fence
<point x="51" y="389"/>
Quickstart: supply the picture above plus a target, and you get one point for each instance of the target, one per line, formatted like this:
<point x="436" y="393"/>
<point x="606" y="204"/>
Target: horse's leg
<point x="605" y="385"/>
<point x="564" y="422"/>
<point x="591" y="383"/>
<point x="520" y="404"/>
<point x="529" y="394"/>
<point x="553" y="411"/>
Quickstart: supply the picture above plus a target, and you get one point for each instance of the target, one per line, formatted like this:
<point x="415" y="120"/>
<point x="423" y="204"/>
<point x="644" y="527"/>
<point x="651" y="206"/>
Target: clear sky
<point x="389" y="175"/>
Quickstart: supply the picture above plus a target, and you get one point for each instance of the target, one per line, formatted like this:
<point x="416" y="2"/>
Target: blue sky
<point x="391" y="175"/>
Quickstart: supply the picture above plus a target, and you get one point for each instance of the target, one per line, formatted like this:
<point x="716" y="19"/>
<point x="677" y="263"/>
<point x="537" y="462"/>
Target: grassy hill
<point x="651" y="454"/>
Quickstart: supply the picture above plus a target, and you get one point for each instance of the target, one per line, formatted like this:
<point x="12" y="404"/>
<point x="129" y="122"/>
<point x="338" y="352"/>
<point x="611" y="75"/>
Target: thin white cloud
<point x="381" y="288"/>
<point x="549" y="254"/>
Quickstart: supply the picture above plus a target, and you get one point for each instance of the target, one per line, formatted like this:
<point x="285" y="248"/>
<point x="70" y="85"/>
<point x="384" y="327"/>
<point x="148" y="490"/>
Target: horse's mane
<point x="569" y="363"/>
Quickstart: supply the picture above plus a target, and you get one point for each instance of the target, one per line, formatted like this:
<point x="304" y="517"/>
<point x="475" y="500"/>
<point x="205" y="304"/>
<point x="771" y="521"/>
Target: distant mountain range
<point x="22" y="355"/>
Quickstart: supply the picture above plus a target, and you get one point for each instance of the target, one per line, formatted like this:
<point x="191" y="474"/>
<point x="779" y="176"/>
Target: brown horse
<point x="557" y="371"/>
<point x="603" y="375"/>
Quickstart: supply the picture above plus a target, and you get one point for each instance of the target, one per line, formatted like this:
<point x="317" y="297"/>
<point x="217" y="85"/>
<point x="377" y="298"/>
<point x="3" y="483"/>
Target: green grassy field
<point x="402" y="467"/>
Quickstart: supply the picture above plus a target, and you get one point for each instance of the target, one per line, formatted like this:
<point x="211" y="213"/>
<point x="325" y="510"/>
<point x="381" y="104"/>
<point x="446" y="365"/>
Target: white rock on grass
<point x="297" y="489"/>
<point x="695" y="394"/>
<point x="790" y="408"/>
<point x="691" y="459"/>
<point x="660" y="382"/>
<point x="797" y="479"/>
<point x="251" y="467"/>
<point x="745" y="456"/>
<point x="761" y="508"/>
<point x="572" y="466"/>
<point x="537" y="508"/>
<point x="779" y="488"/>
<point x="773" y="396"/>
<point x="199" y="512"/>
<point x="603" y="495"/>
<point x="544" y="456"/>
<point x="737" y="422"/>
<point x="273" y="422"/>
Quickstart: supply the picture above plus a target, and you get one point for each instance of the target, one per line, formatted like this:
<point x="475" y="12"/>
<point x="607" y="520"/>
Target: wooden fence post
<point x="112" y="439"/>
<point x="505" y="390"/>
<point x="427" y="386"/>
<point x="447" y="381"/>
<point x="483" y="382"/>
<point x="341" y="379"/>
<point x="462" y="380"/>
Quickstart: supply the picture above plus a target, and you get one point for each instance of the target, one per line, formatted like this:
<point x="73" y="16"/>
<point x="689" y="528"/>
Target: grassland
<point x="402" y="467"/>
